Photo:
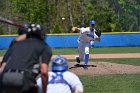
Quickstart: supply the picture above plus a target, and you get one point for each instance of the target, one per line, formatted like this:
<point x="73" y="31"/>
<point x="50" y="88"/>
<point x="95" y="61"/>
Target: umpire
<point x="22" y="33"/>
<point x="26" y="58"/>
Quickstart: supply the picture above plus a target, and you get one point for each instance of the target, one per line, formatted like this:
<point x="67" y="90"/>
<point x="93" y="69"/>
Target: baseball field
<point x="117" y="69"/>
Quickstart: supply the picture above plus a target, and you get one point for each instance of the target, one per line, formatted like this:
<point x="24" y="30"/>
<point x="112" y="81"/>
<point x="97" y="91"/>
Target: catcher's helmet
<point x="92" y="22"/>
<point x="59" y="64"/>
<point x="36" y="29"/>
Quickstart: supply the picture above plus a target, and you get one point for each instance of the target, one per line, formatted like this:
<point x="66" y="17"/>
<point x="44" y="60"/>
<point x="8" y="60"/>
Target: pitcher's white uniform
<point x="67" y="85"/>
<point x="84" y="41"/>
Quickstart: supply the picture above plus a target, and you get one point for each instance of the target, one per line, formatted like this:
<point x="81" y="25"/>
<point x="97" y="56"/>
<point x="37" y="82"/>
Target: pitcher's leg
<point x="81" y="51"/>
<point x="86" y="55"/>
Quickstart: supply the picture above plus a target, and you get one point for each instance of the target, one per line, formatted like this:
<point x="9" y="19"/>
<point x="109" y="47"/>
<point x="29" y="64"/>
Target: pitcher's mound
<point x="96" y="68"/>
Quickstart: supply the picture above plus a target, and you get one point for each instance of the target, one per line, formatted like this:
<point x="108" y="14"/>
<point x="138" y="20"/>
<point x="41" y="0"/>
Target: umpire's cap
<point x="92" y="22"/>
<point x="59" y="64"/>
<point x="36" y="29"/>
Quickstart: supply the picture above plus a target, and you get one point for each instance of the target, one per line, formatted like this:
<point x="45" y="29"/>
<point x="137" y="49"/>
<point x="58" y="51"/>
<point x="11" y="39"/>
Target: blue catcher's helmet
<point x="92" y="22"/>
<point x="59" y="64"/>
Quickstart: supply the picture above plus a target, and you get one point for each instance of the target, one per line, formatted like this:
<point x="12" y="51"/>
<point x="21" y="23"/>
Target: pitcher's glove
<point x="98" y="32"/>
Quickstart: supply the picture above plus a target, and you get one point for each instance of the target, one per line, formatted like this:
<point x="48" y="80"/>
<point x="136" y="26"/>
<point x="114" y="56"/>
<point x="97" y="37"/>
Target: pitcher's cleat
<point x="85" y="67"/>
<point x="94" y="65"/>
<point x="77" y="60"/>
<point x="77" y="65"/>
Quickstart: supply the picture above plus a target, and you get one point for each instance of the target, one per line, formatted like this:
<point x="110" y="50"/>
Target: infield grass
<point x="129" y="61"/>
<point x="111" y="83"/>
<point x="2" y="52"/>
<point x="99" y="50"/>
<point x="107" y="83"/>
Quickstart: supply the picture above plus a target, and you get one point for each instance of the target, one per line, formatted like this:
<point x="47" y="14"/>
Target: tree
<point x="110" y="15"/>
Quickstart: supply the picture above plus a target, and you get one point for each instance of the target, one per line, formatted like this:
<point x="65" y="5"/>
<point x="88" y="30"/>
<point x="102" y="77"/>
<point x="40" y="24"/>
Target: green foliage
<point x="1" y="31"/>
<point x="110" y="15"/>
<point x="57" y="29"/>
<point x="32" y="10"/>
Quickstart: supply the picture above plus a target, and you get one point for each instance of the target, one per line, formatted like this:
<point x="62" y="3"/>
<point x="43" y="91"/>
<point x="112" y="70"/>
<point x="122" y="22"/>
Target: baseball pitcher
<point x="87" y="36"/>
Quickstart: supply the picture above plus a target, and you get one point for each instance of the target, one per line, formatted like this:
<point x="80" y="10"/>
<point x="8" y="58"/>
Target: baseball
<point x="63" y="18"/>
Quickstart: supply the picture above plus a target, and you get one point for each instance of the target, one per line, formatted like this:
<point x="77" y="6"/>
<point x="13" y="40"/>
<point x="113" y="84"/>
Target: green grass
<point x="129" y="61"/>
<point x="107" y="83"/>
<point x="2" y="52"/>
<point x="111" y="83"/>
<point x="116" y="50"/>
<point x="98" y="50"/>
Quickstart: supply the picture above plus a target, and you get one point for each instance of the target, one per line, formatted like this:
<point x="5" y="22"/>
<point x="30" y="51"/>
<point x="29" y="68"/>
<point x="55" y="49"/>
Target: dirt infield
<point x="105" y="67"/>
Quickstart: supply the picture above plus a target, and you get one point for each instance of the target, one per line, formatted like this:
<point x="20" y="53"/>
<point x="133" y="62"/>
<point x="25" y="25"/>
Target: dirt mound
<point x="104" y="68"/>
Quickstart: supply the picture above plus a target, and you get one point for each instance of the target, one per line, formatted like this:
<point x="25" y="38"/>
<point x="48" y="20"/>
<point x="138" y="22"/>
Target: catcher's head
<point x="35" y="30"/>
<point x="59" y="64"/>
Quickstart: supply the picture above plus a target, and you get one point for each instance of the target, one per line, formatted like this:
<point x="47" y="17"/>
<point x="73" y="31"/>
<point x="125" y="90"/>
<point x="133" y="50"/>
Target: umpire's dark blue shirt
<point x="25" y="54"/>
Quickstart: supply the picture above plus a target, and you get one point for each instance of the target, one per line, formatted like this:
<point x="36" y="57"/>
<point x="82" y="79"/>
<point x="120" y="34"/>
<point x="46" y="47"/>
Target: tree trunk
<point x="9" y="16"/>
<point x="84" y="13"/>
<point x="70" y="12"/>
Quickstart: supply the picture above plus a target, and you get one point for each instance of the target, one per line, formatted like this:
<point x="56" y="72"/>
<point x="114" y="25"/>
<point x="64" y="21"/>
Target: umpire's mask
<point x="36" y="30"/>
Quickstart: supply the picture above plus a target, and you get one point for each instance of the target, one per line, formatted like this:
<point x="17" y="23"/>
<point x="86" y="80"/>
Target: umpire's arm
<point x="44" y="67"/>
<point x="5" y="59"/>
<point x="2" y="67"/>
<point x="44" y="76"/>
